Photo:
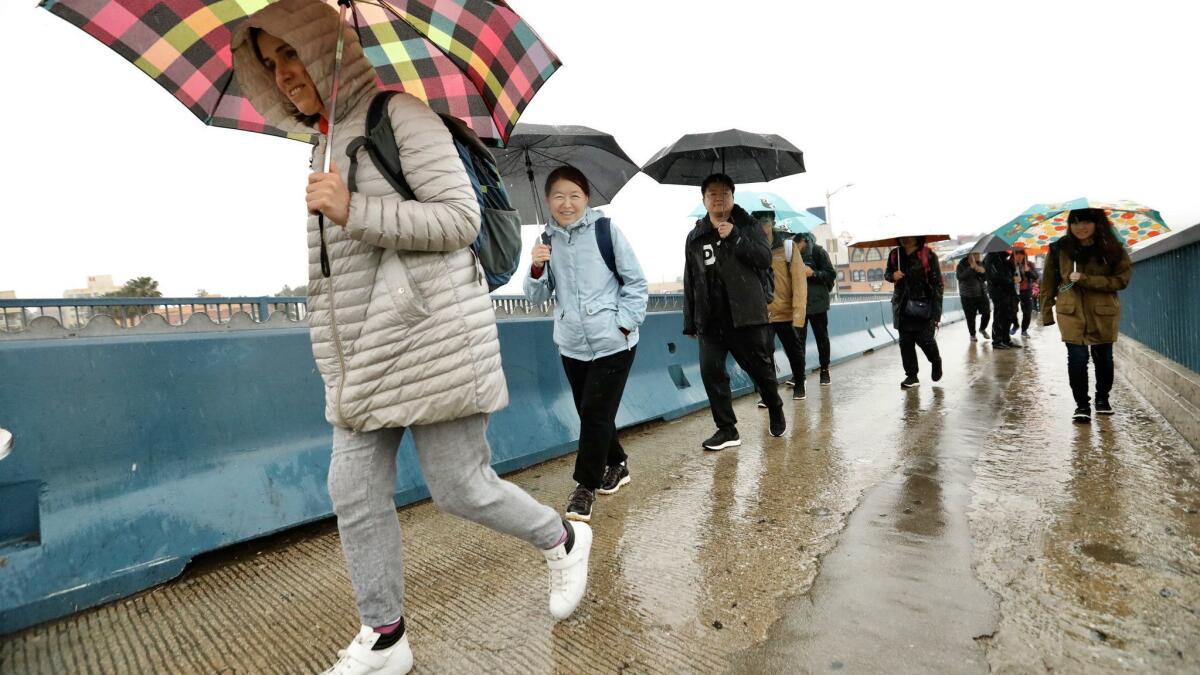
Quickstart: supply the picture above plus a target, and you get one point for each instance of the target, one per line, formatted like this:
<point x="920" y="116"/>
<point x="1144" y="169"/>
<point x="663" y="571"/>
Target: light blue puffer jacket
<point x="592" y="306"/>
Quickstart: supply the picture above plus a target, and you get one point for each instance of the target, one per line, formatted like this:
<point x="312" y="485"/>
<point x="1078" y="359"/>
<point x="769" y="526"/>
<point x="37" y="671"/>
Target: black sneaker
<point x="1001" y="345"/>
<point x="910" y="382"/>
<point x="580" y="506"/>
<point x="614" y="478"/>
<point x="798" y="393"/>
<point x="762" y="404"/>
<point x="778" y="422"/>
<point x="1083" y="414"/>
<point x="984" y="333"/>
<point x="825" y="377"/>
<point x="1103" y="407"/>
<point x="937" y="371"/>
<point x="789" y="383"/>
<point x="1014" y="345"/>
<point x="724" y="438"/>
<point x="1024" y="333"/>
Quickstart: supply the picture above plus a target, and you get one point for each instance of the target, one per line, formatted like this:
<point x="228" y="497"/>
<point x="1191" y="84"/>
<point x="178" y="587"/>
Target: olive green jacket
<point x="1088" y="313"/>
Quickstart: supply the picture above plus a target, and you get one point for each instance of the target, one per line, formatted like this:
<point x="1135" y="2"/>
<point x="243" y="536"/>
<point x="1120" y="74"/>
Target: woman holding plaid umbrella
<point x="402" y="326"/>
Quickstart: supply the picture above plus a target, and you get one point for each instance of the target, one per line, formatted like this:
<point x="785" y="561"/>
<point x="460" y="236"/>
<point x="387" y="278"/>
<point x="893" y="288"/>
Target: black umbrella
<point x="534" y="150"/>
<point x="745" y="157"/>
<point x="990" y="243"/>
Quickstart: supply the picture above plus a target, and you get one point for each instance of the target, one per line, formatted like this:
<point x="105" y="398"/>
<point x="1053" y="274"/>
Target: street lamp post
<point x="829" y="221"/>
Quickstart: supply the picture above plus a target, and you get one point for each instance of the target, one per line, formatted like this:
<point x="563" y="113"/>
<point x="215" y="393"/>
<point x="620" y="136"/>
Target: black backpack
<point x="498" y="246"/>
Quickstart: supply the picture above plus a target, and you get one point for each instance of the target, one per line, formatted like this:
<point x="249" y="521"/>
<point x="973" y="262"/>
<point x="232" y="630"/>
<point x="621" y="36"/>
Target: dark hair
<point x="571" y="174"/>
<point x="717" y="178"/>
<point x="1105" y="237"/>
<point x="307" y="120"/>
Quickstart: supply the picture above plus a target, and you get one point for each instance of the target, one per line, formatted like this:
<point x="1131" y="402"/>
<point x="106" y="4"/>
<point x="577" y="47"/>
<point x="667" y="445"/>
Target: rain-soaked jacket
<point x="592" y="308"/>
<point x="791" y="286"/>
<point x="736" y="263"/>
<point x="403" y="332"/>
<point x="1088" y="313"/>
<point x="824" y="275"/>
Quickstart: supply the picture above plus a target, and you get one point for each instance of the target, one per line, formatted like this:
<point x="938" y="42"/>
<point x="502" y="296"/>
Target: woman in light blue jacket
<point x="589" y="265"/>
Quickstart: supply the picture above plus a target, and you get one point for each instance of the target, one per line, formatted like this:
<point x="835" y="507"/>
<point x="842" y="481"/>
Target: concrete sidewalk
<point x="960" y="526"/>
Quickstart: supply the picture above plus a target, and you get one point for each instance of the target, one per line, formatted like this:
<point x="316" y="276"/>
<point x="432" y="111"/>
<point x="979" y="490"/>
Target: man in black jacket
<point x="821" y="278"/>
<point x="1002" y="287"/>
<point x="725" y="298"/>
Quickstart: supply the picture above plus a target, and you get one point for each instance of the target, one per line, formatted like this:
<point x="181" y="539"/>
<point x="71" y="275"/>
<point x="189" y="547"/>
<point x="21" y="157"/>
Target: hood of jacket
<point x="309" y="26"/>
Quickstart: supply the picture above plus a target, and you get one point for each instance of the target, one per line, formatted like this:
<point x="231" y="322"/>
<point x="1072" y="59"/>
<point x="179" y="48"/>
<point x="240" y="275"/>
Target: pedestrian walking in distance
<point x="727" y="286"/>
<point x="917" y="291"/>
<point x="972" y="289"/>
<point x="818" y="269"/>
<point x="584" y="261"/>
<point x="402" y="327"/>
<point x="1084" y="271"/>
<point x="787" y="309"/>
<point x="1028" y="279"/>
<point x="1002" y="286"/>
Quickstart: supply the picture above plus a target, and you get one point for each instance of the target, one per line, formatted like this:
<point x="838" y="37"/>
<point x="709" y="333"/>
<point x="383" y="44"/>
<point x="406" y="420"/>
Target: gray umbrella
<point x="534" y="150"/>
<point x="744" y="156"/>
<point x="990" y="244"/>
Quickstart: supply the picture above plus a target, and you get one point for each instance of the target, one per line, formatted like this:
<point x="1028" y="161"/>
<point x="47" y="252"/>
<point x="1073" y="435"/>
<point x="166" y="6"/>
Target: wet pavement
<point x="961" y="527"/>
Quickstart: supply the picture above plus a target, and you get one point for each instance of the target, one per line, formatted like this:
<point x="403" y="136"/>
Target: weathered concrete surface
<point x="982" y="513"/>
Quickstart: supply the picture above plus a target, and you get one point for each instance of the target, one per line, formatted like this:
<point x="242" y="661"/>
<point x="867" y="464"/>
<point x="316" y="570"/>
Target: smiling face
<point x="291" y="77"/>
<point x="567" y="201"/>
<point x="1083" y="230"/>
<point x="718" y="200"/>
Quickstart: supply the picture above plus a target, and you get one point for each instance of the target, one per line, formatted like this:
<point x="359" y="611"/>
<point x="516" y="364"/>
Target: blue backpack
<point x="498" y="246"/>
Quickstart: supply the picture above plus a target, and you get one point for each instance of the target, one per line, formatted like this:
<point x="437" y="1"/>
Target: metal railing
<point x="75" y="313"/>
<point x="1159" y="307"/>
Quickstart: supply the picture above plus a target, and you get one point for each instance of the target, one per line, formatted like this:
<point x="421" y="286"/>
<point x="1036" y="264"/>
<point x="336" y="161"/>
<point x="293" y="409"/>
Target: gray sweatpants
<point x="456" y="461"/>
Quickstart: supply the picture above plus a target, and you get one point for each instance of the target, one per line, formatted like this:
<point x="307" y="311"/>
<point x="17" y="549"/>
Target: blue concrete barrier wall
<point x="135" y="453"/>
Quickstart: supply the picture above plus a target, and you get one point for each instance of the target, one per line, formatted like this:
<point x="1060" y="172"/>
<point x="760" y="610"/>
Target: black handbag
<point x="918" y="309"/>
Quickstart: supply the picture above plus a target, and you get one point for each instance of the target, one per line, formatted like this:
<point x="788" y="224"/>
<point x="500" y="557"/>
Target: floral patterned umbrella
<point x="1042" y="224"/>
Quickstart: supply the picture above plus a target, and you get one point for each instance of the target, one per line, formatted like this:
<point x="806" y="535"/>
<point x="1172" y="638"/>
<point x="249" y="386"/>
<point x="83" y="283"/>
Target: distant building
<point x="865" y="271"/>
<point x="97" y="286"/>
<point x="667" y="287"/>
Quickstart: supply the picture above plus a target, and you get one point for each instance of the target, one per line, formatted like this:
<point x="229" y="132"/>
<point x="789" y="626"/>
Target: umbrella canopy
<point x="894" y="239"/>
<point x="473" y="59"/>
<point x="796" y="221"/>
<point x="1042" y="224"/>
<point x="960" y="252"/>
<point x="746" y="157"/>
<point x="534" y="150"/>
<point x="802" y="223"/>
<point x="990" y="244"/>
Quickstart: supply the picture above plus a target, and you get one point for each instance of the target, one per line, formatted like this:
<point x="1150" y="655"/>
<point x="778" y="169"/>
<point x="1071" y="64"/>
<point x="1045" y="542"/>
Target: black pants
<point x="793" y="346"/>
<point x="1077" y="370"/>
<point x="1005" y="310"/>
<point x="1026" y="311"/>
<point x="751" y="349"/>
<point x="820" y="328"/>
<point x="913" y="336"/>
<point x="980" y="306"/>
<point x="597" y="387"/>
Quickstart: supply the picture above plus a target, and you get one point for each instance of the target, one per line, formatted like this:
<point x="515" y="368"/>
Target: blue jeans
<point x="1077" y="369"/>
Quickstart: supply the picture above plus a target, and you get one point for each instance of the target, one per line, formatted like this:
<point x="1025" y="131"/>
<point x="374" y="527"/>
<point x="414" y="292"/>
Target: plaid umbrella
<point x="1042" y="224"/>
<point x="473" y="59"/>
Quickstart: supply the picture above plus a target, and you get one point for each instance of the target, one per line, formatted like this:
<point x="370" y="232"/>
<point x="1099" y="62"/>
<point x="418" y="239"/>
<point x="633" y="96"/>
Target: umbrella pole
<point x="537" y="200"/>
<point x="343" y="6"/>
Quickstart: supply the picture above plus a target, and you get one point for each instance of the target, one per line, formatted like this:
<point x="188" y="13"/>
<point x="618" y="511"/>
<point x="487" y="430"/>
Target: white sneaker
<point x="359" y="659"/>
<point x="569" y="572"/>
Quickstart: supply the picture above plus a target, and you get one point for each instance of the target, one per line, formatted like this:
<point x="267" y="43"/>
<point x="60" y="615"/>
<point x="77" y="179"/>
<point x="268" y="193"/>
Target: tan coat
<point x="790" y="301"/>
<point x="1088" y="313"/>
<point x="403" y="332"/>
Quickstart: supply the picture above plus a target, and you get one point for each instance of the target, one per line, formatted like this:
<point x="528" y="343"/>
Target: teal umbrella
<point x="794" y="220"/>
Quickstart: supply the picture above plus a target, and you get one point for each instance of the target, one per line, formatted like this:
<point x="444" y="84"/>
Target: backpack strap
<point x="923" y="255"/>
<point x="605" y="243"/>
<point x="381" y="147"/>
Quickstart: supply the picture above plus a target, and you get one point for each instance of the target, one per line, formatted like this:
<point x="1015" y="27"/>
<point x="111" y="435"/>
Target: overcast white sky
<point x="953" y="114"/>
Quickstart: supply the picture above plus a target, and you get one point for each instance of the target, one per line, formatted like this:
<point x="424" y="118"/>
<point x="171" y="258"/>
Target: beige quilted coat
<point x="403" y="332"/>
